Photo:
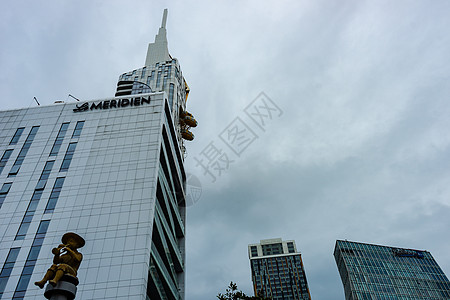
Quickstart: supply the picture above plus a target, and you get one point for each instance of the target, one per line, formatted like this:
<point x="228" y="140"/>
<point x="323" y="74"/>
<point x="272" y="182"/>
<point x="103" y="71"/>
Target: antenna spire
<point x="158" y="51"/>
<point x="164" y="19"/>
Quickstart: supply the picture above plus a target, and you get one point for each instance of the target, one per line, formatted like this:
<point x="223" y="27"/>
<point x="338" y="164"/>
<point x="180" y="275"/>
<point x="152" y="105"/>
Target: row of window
<point x="16" y="136"/>
<point x="272" y="249"/>
<point x="287" y="275"/>
<point x="4" y="191"/>
<point x="32" y="257"/>
<point x="4" y="159"/>
<point x="391" y="290"/>
<point x="7" y="268"/>
<point x="380" y="267"/>
<point x="29" y="213"/>
<point x="32" y="205"/>
<point x="23" y="152"/>
<point x="26" y="146"/>
<point x="376" y="251"/>
<point x="54" y="195"/>
<point x="59" y="139"/>
<point x="135" y="74"/>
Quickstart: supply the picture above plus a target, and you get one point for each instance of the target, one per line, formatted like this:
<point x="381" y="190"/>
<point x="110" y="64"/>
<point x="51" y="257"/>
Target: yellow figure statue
<point x="66" y="259"/>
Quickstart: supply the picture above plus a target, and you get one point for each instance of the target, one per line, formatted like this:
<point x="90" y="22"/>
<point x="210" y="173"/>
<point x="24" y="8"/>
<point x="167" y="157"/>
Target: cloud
<point x="360" y="152"/>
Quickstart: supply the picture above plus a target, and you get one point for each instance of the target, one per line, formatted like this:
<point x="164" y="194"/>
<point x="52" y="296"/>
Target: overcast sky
<point x="358" y="149"/>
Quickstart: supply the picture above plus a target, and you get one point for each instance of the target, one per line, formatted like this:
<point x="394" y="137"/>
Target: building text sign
<point x="114" y="103"/>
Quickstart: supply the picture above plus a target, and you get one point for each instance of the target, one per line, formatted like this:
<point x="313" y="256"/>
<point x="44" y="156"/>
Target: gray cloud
<point x="360" y="152"/>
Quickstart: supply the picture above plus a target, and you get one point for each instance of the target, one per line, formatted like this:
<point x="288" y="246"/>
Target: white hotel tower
<point x="110" y="170"/>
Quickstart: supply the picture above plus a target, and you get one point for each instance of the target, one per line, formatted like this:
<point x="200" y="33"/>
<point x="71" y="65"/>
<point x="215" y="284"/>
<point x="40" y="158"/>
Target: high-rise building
<point x="381" y="272"/>
<point x="277" y="270"/>
<point x="110" y="170"/>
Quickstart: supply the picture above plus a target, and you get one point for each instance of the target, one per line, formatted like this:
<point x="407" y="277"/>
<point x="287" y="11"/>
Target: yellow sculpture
<point x="66" y="260"/>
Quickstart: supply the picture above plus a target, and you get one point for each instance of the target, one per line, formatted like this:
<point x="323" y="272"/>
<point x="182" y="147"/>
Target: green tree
<point x="233" y="293"/>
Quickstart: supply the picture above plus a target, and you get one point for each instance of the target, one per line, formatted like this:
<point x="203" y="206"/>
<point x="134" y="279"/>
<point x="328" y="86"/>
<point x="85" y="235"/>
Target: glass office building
<point x="110" y="170"/>
<point x="381" y="272"/>
<point x="277" y="270"/>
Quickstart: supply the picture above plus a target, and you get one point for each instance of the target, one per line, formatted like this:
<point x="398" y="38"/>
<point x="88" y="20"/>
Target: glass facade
<point x="381" y="272"/>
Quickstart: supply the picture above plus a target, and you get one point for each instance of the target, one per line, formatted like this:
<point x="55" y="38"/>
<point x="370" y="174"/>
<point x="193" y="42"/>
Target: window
<point x="78" y="128"/>
<point x="143" y="72"/>
<point x="254" y="251"/>
<point x="54" y="195"/>
<point x="59" y="139"/>
<point x="150" y="77"/>
<point x="4" y="159"/>
<point x="290" y="247"/>
<point x="23" y="228"/>
<point x="4" y="191"/>
<point x="44" y="175"/>
<point x="24" y="279"/>
<point x="171" y="88"/>
<point x="7" y="268"/>
<point x="23" y="152"/>
<point x="68" y="157"/>
<point x="16" y="136"/>
<point x="158" y="79"/>
<point x="168" y="71"/>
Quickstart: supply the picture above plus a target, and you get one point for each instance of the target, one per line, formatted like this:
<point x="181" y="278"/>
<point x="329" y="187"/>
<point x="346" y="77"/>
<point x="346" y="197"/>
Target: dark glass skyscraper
<point x="382" y="272"/>
<point x="277" y="270"/>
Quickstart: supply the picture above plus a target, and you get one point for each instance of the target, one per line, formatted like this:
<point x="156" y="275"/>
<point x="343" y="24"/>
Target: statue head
<point x="73" y="240"/>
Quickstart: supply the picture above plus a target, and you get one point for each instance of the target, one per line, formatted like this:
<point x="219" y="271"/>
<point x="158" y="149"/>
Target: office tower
<point x="277" y="270"/>
<point x="110" y="170"/>
<point x="381" y="272"/>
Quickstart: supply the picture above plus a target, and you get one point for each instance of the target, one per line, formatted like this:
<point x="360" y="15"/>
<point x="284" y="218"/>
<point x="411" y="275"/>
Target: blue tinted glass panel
<point x="16" y="136"/>
<point x="4" y="159"/>
<point x="25" y="276"/>
<point x="44" y="175"/>
<point x="51" y="204"/>
<point x="68" y="157"/>
<point x="59" y="139"/>
<point x="78" y="128"/>
<point x="23" y="152"/>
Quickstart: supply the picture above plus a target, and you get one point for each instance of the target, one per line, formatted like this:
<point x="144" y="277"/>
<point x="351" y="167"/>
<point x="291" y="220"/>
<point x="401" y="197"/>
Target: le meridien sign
<point x="114" y="103"/>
